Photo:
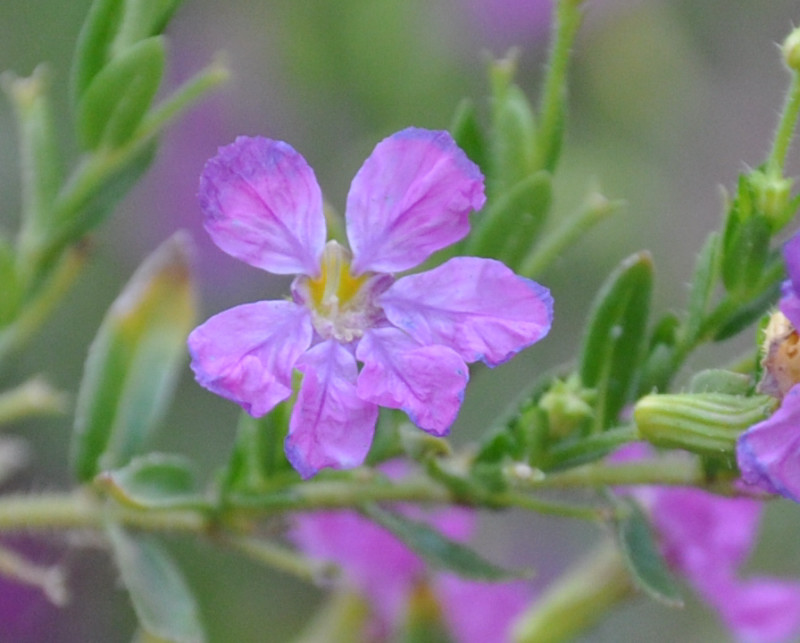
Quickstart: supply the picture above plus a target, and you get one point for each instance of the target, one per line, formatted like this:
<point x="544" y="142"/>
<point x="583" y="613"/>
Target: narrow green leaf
<point x="82" y="208"/>
<point x="743" y="316"/>
<point x="154" y="481"/>
<point x="615" y="334"/>
<point x="467" y="132"/>
<point x="94" y="43"/>
<point x="161" y="598"/>
<point x="133" y="362"/>
<point x="644" y="561"/>
<point x="258" y="451"/>
<point x="40" y="167"/>
<point x="12" y="292"/>
<point x="507" y="227"/>
<point x="513" y="139"/>
<point x="437" y="550"/>
<point x="142" y="19"/>
<point x="120" y="94"/>
<point x="704" y="279"/>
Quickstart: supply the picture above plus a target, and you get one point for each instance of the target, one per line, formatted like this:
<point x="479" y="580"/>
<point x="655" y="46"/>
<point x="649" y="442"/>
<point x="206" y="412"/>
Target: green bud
<point x="568" y="406"/>
<point x="746" y="242"/>
<point x="773" y="195"/>
<point x="705" y="423"/>
<point x="791" y="50"/>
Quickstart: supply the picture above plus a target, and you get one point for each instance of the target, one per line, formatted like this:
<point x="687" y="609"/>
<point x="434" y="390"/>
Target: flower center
<point x="342" y="304"/>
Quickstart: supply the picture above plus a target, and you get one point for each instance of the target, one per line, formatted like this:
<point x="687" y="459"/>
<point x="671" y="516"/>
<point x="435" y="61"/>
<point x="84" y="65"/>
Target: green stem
<point x="281" y="558"/>
<point x="553" y="101"/>
<point x="595" y="208"/>
<point x="786" y="125"/>
<point x="32" y="398"/>
<point x="680" y="473"/>
<point x="36" y="311"/>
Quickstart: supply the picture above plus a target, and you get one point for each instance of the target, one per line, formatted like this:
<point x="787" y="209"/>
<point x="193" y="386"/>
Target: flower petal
<point x="477" y="612"/>
<point x="427" y="382"/>
<point x="478" y="307"/>
<point x="263" y="205"/>
<point x="246" y="354"/>
<point x="412" y="197"/>
<point x="768" y="453"/>
<point x="330" y="425"/>
<point x="759" y="610"/>
<point x="373" y="561"/>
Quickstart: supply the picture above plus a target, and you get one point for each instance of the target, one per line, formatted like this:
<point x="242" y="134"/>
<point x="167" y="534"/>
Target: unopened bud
<point x="791" y="50"/>
<point x="705" y="423"/>
<point x="773" y="195"/>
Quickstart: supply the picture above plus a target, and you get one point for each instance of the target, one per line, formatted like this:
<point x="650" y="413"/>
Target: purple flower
<point x="707" y="538"/>
<point x="790" y="299"/>
<point x="386" y="573"/>
<point x="413" y="335"/>
<point x="768" y="453"/>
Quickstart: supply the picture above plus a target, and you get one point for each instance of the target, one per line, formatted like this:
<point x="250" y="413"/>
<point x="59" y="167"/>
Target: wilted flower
<point x="706" y="538"/>
<point x="414" y="335"/>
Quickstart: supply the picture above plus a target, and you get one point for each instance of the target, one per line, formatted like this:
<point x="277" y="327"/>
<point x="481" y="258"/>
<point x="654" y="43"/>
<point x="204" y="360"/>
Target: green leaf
<point x="154" y="481"/>
<point x="743" y="316"/>
<point x="161" y="599"/>
<point x="12" y="292"/>
<point x="745" y="243"/>
<point x="437" y="550"/>
<point x="94" y="44"/>
<point x="133" y="362"/>
<point x="513" y="140"/>
<point x="40" y="167"/>
<point x="507" y="226"/>
<point x="120" y="95"/>
<point x="615" y="334"/>
<point x="467" y="132"/>
<point x="142" y="19"/>
<point x="81" y="212"/>
<point x="704" y="279"/>
<point x="644" y="561"/>
<point x="258" y="455"/>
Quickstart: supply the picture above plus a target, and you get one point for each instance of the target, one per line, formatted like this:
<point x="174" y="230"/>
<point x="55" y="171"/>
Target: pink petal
<point x="478" y="307"/>
<point x="701" y="532"/>
<point x="263" y="205"/>
<point x="758" y="610"/>
<point x="477" y="612"/>
<point x="427" y="382"/>
<point x="246" y="354"/>
<point x="412" y="197"/>
<point x="331" y="426"/>
<point x="373" y="561"/>
<point x="768" y="453"/>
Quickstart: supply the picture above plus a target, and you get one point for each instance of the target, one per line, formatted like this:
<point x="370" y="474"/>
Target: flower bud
<point x="791" y="50"/>
<point x="705" y="423"/>
<point x="773" y="194"/>
<point x="568" y="405"/>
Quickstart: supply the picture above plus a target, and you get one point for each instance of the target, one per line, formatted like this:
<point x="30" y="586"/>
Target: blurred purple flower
<point x="768" y="453"/>
<point x="507" y="22"/>
<point x="707" y="538"/>
<point x="386" y="573"/>
<point x="414" y="336"/>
